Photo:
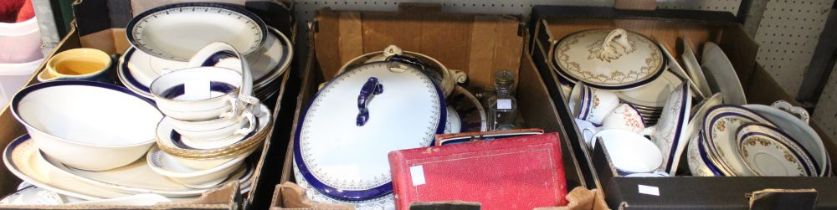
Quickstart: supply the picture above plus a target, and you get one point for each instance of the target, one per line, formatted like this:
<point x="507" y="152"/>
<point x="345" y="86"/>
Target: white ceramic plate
<point x="721" y="74"/>
<point x="343" y="157"/>
<point x="669" y="132"/>
<point x="137" y="69"/>
<point x="21" y="158"/>
<point x="653" y="94"/>
<point x="178" y="31"/>
<point x="693" y="67"/>
<point x="675" y="67"/>
<point x="770" y="152"/>
<point x="799" y="130"/>
<point x="720" y="126"/>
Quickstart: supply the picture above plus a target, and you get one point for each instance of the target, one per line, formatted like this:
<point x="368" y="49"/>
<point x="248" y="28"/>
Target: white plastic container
<point x="20" y="42"/>
<point x="13" y="76"/>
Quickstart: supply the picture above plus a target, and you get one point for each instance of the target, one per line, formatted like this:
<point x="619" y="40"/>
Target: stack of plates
<point x="163" y="38"/>
<point x="736" y="141"/>
<point x="23" y="158"/>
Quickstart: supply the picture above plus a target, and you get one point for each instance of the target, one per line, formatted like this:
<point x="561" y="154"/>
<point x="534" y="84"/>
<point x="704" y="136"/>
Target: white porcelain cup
<point x="626" y="117"/>
<point x="215" y="130"/>
<point x="630" y="152"/>
<point x="592" y="104"/>
<point x="587" y="130"/>
<point x="202" y="93"/>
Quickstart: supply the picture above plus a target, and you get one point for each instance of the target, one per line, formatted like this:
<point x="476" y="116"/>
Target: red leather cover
<point x="512" y="173"/>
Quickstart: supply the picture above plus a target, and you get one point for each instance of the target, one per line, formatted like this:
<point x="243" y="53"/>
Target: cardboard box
<point x="551" y="23"/>
<point x="100" y="24"/>
<point x="475" y="44"/>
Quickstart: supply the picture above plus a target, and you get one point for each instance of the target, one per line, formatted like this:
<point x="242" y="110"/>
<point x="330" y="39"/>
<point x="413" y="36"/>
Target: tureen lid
<point x="609" y="59"/>
<point x="357" y="119"/>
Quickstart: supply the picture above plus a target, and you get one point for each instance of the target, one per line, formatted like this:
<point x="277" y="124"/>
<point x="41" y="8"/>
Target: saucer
<point x="172" y="142"/>
<point x="774" y="147"/>
<point x="720" y="126"/>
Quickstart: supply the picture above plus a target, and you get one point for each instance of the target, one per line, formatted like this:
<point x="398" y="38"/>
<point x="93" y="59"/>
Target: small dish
<point x="166" y="165"/>
<point x="756" y="140"/>
<point x="719" y="126"/>
<point x="722" y="75"/>
<point x="92" y="119"/>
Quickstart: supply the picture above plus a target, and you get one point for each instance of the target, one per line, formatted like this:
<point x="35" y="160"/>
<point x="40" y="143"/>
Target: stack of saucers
<point x="164" y="39"/>
<point x="212" y="122"/>
<point x="739" y="141"/>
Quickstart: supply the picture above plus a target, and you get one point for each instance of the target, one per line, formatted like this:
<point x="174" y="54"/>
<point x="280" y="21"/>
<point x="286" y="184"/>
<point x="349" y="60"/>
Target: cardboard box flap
<point x="470" y="41"/>
<point x="768" y="199"/>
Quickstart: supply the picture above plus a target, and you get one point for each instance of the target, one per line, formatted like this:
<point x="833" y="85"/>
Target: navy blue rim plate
<point x="352" y="195"/>
<point x="232" y="7"/>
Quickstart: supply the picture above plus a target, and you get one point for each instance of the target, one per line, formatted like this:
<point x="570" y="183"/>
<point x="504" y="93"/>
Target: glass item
<point x="503" y="105"/>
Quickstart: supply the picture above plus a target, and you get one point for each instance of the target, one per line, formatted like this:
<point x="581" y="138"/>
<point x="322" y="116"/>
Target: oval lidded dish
<point x="608" y="58"/>
<point x="356" y="119"/>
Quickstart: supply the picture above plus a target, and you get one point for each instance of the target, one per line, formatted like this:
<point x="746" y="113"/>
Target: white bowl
<point x="87" y="125"/>
<point x="630" y="152"/>
<point x="166" y="165"/>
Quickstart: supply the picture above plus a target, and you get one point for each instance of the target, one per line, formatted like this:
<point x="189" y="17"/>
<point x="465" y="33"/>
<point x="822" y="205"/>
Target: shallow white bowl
<point x="630" y="152"/>
<point x="87" y="125"/>
<point x="166" y="165"/>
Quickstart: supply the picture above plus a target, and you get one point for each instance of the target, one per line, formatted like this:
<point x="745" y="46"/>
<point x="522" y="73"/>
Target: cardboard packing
<point x="100" y="24"/>
<point x="476" y="44"/>
<point x="551" y="23"/>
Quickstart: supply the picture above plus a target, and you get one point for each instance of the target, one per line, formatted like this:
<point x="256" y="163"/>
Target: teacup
<point x="625" y="117"/>
<point x="587" y="131"/>
<point x="215" y="130"/>
<point x="592" y="104"/>
<point x="77" y="64"/>
<point x="195" y="94"/>
<point x="630" y="152"/>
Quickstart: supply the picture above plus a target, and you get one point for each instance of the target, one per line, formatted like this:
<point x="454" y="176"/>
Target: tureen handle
<point x="620" y="36"/>
<point x="367" y="92"/>
<point x="799" y="112"/>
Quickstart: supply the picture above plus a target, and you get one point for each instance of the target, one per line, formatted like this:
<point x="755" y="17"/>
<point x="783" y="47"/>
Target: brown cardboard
<point x="444" y="36"/>
<point x="113" y="40"/>
<point x="684" y="191"/>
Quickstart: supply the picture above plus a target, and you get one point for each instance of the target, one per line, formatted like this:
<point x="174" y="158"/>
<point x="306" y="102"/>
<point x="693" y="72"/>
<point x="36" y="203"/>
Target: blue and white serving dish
<point x="356" y="119"/>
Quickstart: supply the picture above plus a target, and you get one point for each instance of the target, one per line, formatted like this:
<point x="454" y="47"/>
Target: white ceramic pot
<point x="95" y="126"/>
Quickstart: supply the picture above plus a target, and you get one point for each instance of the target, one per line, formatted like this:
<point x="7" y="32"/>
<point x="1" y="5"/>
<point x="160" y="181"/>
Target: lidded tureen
<point x="357" y="118"/>
<point x="608" y="59"/>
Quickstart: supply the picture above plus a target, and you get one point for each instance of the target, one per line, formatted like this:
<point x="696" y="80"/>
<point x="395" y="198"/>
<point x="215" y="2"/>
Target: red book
<point x="513" y="173"/>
